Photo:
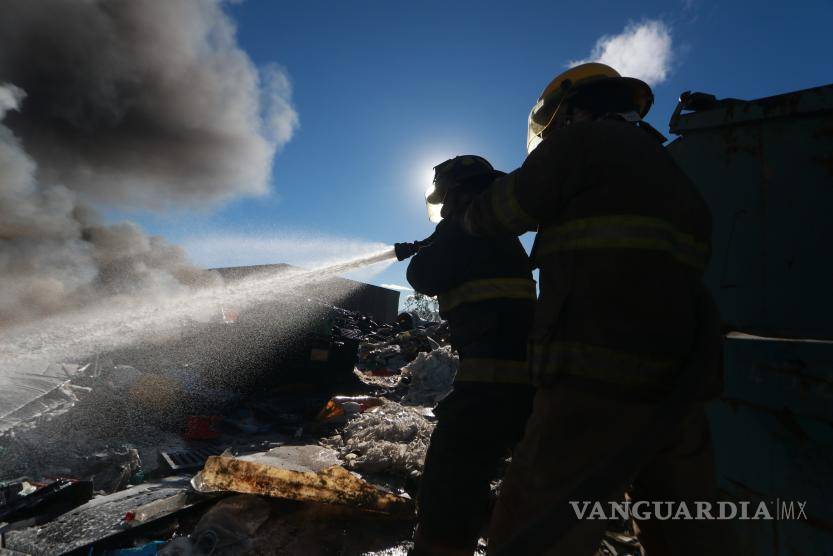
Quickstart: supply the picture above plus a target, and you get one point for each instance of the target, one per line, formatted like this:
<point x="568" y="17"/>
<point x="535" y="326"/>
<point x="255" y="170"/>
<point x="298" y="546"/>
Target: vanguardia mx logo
<point x="779" y="510"/>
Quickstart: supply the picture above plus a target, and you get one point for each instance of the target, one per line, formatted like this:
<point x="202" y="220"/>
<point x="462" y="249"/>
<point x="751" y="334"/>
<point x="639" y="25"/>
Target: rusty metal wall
<point x="765" y="168"/>
<point x="773" y="434"/>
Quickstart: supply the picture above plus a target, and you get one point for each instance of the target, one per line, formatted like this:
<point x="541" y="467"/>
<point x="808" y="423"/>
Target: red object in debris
<point x="230" y="314"/>
<point x="201" y="427"/>
<point x="381" y="371"/>
<point x="129" y="516"/>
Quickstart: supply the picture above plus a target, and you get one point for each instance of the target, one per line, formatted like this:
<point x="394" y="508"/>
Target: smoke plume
<point x="126" y="104"/>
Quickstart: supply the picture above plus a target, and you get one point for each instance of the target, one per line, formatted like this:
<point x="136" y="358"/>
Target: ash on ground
<point x="126" y="423"/>
<point x="214" y="443"/>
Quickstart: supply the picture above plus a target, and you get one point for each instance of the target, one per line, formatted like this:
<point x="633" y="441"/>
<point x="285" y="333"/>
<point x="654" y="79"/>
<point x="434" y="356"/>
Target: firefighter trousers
<point x="571" y="430"/>
<point x="477" y="426"/>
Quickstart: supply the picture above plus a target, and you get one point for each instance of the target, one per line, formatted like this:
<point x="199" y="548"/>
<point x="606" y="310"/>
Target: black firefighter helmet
<point x="466" y="171"/>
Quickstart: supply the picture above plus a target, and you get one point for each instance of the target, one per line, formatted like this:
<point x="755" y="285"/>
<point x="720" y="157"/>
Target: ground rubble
<point x="114" y="460"/>
<point x="118" y="460"/>
<point x="390" y="438"/>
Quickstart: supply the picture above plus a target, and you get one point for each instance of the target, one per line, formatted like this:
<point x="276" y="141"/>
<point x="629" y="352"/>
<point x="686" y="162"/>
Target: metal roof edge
<point x="728" y="112"/>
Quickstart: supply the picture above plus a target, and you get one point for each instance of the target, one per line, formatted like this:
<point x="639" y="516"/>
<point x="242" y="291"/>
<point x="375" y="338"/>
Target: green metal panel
<point x="773" y="436"/>
<point x="765" y="167"/>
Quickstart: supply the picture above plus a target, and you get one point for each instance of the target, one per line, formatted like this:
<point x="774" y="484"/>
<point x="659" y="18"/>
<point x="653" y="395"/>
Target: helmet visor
<point x="532" y="140"/>
<point x="540" y="118"/>
<point x="434" y="199"/>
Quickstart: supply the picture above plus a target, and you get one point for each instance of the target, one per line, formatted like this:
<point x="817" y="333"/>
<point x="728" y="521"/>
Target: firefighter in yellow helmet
<point x="626" y="342"/>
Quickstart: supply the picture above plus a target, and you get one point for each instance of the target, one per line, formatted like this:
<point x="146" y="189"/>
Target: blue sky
<point x="385" y="90"/>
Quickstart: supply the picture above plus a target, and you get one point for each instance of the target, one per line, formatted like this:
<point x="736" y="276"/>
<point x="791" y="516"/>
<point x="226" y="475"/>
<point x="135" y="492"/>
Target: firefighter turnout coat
<point x="623" y="240"/>
<point x="486" y="293"/>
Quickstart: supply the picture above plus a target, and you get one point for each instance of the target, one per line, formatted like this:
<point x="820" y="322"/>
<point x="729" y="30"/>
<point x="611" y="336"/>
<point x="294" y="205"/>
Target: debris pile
<point x="306" y="473"/>
<point x="232" y="526"/>
<point x="153" y="452"/>
<point x="431" y="376"/>
<point x="393" y="437"/>
<point x="124" y="453"/>
<point x="390" y="438"/>
<point x="390" y="347"/>
<point x="91" y="428"/>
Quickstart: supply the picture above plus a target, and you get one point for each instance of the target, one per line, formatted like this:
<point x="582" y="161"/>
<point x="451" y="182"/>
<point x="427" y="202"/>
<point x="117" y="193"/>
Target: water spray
<point x="26" y="350"/>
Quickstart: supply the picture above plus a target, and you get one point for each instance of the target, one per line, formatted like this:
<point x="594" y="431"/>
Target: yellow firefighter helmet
<point x="624" y="92"/>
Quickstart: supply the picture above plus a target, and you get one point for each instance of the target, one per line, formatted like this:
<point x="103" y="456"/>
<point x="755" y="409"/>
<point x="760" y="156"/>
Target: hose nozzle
<point x="405" y="250"/>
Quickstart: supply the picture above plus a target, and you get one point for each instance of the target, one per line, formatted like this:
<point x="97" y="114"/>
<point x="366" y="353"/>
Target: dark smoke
<point x="149" y="101"/>
<point x="121" y="103"/>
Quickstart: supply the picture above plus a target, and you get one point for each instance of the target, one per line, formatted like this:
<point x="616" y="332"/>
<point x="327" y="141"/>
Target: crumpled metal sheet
<point x="304" y="473"/>
<point x="95" y="521"/>
<point x="33" y="389"/>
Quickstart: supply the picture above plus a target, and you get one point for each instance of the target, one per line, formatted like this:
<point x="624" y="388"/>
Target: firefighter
<point x="486" y="293"/>
<point x="623" y="323"/>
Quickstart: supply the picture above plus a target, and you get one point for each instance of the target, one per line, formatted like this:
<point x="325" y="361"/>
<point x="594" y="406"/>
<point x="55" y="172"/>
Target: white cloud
<point x="397" y="287"/>
<point x="641" y="50"/>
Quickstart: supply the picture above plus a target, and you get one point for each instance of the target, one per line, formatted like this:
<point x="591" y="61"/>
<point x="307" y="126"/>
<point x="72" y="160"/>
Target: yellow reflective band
<point x="548" y="360"/>
<point x="625" y="232"/>
<point x="482" y="290"/>
<point x="506" y="207"/>
<point x="485" y="369"/>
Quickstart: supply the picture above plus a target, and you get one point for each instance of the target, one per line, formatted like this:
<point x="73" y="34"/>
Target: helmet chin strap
<point x="631" y="116"/>
<point x="634" y="118"/>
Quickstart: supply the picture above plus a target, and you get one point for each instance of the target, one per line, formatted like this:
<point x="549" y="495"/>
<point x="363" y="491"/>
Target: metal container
<point x="765" y="167"/>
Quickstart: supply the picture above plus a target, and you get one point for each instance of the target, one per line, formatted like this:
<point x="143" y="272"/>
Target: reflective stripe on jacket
<point x="604" y="364"/>
<point x="625" y="232"/>
<point x="486" y="292"/>
<point x="485" y="369"/>
<point x="623" y="239"/>
<point x="490" y="288"/>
